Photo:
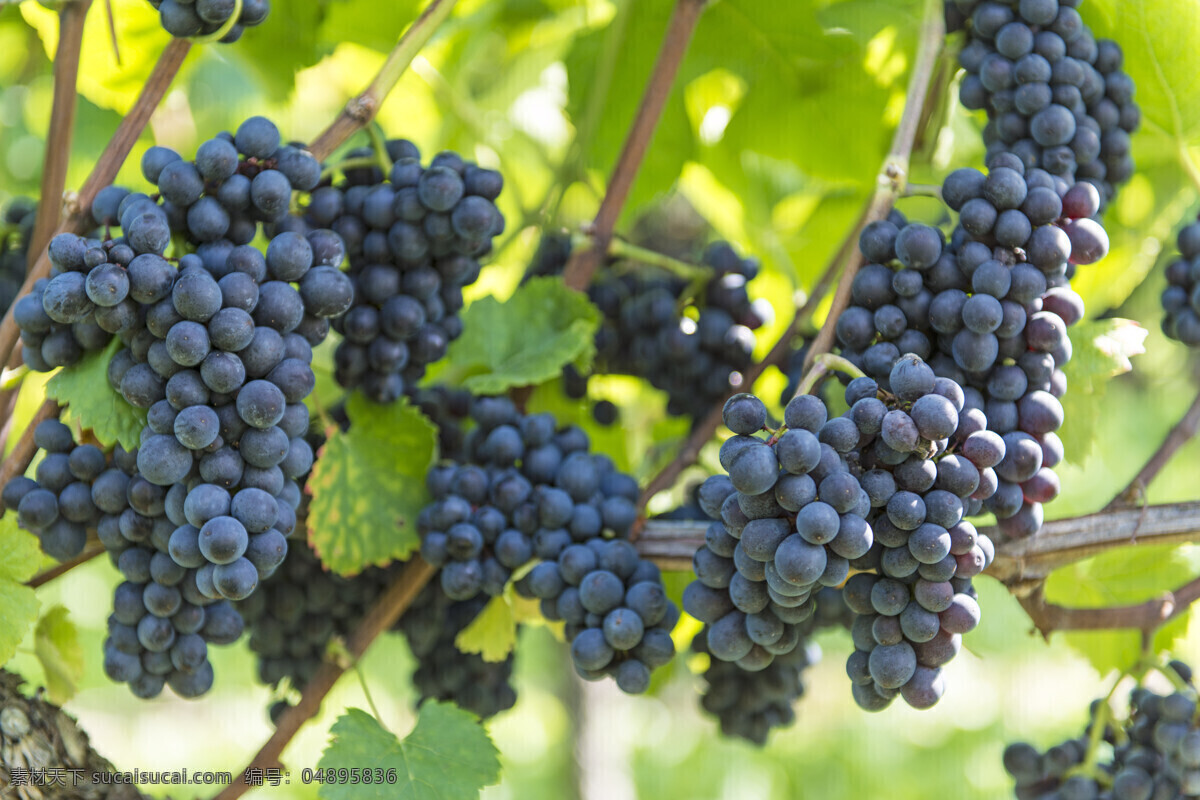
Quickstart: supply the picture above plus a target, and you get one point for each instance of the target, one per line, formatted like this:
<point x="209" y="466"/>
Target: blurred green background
<point x="774" y="132"/>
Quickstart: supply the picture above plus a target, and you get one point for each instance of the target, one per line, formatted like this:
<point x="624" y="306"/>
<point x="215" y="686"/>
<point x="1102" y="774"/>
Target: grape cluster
<point x="444" y="672"/>
<point x="1155" y="753"/>
<point x="189" y="18"/>
<point x="236" y="182"/>
<point x="18" y="221"/>
<point x="689" y="338"/>
<point x="58" y="505"/>
<point x="298" y="610"/>
<point x="881" y="489"/>
<point x="530" y="490"/>
<point x="750" y="705"/>
<point x="414" y="239"/>
<point x="989" y="309"/>
<point x="1056" y="97"/>
<point x="526" y="489"/>
<point x="223" y="373"/>
<point x="1181" y="300"/>
<point x="790" y="518"/>
<point x="925" y="460"/>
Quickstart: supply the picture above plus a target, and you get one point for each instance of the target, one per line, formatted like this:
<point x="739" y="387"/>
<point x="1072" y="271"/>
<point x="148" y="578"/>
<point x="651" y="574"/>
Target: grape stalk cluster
<point x="989" y="309"/>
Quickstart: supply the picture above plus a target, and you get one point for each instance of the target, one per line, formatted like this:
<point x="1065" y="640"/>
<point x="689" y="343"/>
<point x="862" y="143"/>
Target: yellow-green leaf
<point x="93" y="403"/>
<point x="18" y="605"/>
<point x="368" y="485"/>
<point x="56" y="643"/>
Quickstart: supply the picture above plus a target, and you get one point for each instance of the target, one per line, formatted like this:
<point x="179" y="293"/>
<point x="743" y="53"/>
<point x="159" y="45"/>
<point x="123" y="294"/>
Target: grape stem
<point x="361" y="109"/>
<point x="383" y="614"/>
<point x="379" y="145"/>
<point x="1189" y="166"/>
<point x="362" y="162"/>
<point x="922" y="190"/>
<point x="893" y="176"/>
<point x="62" y="125"/>
<point x="22" y="454"/>
<point x="1179" y="435"/>
<point x="1020" y="564"/>
<point x="79" y="220"/>
<point x="225" y="28"/>
<point x="823" y="365"/>
<point x="619" y="248"/>
<point x="583" y="264"/>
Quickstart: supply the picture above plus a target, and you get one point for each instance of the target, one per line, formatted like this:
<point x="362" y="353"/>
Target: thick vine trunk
<point x="39" y="739"/>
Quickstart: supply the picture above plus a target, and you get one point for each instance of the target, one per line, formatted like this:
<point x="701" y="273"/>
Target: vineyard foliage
<point x="771" y="138"/>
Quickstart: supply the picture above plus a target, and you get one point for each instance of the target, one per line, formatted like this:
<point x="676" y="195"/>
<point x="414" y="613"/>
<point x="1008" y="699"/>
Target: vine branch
<point x="894" y="174"/>
<point x="1048" y="617"/>
<point x="382" y="615"/>
<point x="79" y="219"/>
<point x="62" y="125"/>
<point x="1020" y="564"/>
<point x="22" y="453"/>
<point x="583" y="264"/>
<point x="1179" y="435"/>
<point x="361" y="109"/>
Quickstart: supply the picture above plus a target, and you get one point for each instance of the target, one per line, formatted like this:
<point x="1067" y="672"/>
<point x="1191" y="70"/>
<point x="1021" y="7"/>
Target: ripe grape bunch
<point x="751" y="704"/>
<point x="530" y="490"/>
<point x="1181" y="300"/>
<point x="413" y="239"/>
<point x="989" y="309"/>
<point x="878" y="489"/>
<point x="689" y="337"/>
<point x="191" y="18"/>
<point x="790" y="518"/>
<point x="1155" y="751"/>
<point x="1056" y="97"/>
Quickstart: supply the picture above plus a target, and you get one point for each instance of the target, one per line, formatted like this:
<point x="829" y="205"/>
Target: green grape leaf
<point x="525" y="340"/>
<point x="18" y="604"/>
<point x="368" y="485"/>
<point x="1123" y="576"/>
<point x="1159" y="40"/>
<point x="93" y="403"/>
<point x="447" y="756"/>
<point x="56" y="643"/>
<point x="1102" y="349"/>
